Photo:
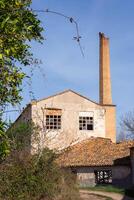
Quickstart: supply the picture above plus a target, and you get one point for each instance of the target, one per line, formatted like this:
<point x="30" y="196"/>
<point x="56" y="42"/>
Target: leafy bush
<point x="34" y="177"/>
<point x="4" y="143"/>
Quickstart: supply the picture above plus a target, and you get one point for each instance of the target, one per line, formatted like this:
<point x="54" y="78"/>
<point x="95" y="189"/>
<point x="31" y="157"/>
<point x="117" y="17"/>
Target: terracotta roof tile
<point x="95" y="152"/>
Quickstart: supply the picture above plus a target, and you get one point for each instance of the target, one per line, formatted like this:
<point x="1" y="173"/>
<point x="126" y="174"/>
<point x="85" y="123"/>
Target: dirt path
<point x="86" y="195"/>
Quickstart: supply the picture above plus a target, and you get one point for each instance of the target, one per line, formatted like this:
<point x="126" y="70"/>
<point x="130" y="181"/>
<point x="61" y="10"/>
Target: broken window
<point x="86" y="123"/>
<point x="53" y="122"/>
<point x="103" y="176"/>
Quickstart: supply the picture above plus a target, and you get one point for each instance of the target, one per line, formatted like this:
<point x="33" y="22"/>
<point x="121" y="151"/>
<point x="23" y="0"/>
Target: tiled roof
<point x="95" y="152"/>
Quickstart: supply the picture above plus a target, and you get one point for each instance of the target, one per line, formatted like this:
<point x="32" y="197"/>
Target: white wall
<point x="71" y="105"/>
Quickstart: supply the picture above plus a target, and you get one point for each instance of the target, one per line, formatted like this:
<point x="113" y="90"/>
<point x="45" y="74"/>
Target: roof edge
<point x="68" y="90"/>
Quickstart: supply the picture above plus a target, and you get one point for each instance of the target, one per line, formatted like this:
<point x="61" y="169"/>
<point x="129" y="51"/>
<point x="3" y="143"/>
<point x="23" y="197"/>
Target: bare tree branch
<point x="127" y="124"/>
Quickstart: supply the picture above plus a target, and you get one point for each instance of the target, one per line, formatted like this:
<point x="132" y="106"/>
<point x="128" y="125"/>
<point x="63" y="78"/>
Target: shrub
<point x="34" y="177"/>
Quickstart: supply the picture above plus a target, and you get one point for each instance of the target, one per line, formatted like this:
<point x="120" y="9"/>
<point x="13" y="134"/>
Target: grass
<point x="106" y="188"/>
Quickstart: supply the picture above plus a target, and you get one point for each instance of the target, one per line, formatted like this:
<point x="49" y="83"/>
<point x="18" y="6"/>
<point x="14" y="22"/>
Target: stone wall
<point x="121" y="175"/>
<point x="86" y="175"/>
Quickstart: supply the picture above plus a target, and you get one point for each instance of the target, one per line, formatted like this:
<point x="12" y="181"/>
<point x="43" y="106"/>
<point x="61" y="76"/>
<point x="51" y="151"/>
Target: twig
<point x="77" y="37"/>
<point x="71" y="20"/>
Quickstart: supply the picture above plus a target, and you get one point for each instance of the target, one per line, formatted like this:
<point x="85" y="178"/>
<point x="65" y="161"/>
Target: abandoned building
<point x="68" y="117"/>
<point x="100" y="161"/>
<point x="86" y="129"/>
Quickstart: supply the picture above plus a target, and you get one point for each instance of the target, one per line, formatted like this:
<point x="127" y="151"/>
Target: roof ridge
<point x="59" y="93"/>
<point x="91" y="139"/>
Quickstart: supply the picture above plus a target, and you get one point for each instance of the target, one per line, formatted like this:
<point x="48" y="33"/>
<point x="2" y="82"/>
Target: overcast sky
<point x="63" y="65"/>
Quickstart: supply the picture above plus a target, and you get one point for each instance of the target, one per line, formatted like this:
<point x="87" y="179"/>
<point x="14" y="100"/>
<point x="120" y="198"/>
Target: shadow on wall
<point x="122" y="175"/>
<point x="129" y="194"/>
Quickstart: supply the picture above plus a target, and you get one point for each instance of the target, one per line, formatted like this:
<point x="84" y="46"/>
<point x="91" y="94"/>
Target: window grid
<point x="103" y="177"/>
<point x="85" y="123"/>
<point x="53" y="122"/>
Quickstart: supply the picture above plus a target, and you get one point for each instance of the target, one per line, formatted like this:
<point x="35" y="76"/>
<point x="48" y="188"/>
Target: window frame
<point x="53" y="122"/>
<point x="103" y="176"/>
<point x="86" y="121"/>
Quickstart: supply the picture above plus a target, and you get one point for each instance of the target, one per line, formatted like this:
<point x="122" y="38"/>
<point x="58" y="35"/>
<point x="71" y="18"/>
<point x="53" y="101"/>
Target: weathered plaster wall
<point x="25" y="116"/>
<point x="121" y="175"/>
<point x="71" y="105"/>
<point x="86" y="175"/>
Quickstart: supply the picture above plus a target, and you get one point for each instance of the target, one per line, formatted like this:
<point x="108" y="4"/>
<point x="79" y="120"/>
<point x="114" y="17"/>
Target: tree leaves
<point x="17" y="26"/>
<point x="4" y="144"/>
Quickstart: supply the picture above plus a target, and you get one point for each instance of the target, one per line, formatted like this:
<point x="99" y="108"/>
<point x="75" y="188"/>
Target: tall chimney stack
<point x="104" y="71"/>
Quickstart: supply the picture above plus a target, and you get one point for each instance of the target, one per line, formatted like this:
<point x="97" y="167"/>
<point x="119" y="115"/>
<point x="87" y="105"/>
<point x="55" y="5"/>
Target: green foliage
<point x="4" y="142"/>
<point x="34" y="177"/>
<point x="20" y="136"/>
<point x="25" y="178"/>
<point x="18" y="26"/>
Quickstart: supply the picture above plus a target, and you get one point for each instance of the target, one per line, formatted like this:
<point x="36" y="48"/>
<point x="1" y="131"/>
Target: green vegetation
<point x="4" y="142"/>
<point x="36" y="177"/>
<point x="18" y="27"/>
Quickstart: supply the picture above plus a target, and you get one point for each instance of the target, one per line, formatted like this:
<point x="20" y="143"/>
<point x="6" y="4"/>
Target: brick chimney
<point x="105" y="96"/>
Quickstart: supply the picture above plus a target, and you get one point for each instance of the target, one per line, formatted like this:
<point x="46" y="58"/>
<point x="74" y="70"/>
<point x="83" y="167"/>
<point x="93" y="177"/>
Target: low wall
<point x="86" y="175"/>
<point x="121" y="175"/>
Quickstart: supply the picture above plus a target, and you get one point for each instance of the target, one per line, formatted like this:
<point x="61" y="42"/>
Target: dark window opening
<point x="86" y="123"/>
<point x="103" y="177"/>
<point x="53" y="122"/>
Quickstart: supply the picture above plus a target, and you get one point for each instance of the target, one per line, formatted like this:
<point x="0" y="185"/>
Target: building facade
<point x="100" y="161"/>
<point x="68" y="117"/>
<point x="85" y="130"/>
